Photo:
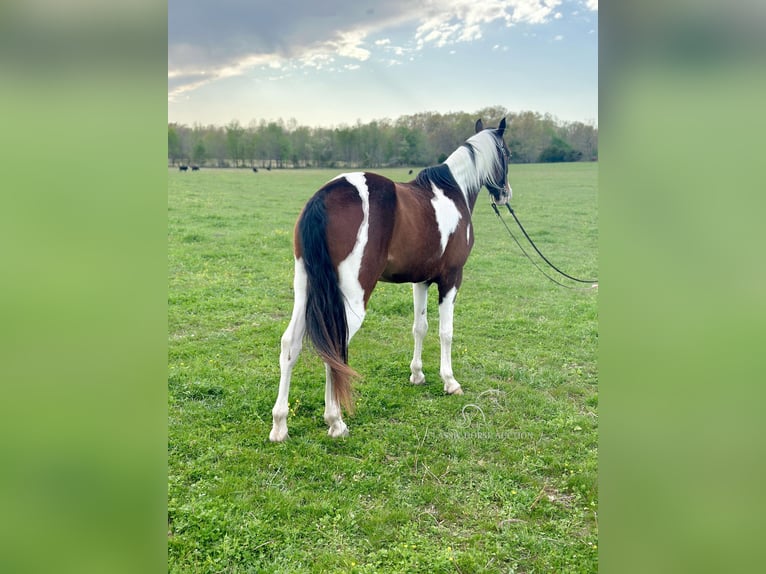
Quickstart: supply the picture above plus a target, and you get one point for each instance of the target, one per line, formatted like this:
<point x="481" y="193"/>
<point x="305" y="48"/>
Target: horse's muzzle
<point x="502" y="196"/>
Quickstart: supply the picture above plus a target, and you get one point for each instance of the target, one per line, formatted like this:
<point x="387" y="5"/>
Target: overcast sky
<point x="333" y="62"/>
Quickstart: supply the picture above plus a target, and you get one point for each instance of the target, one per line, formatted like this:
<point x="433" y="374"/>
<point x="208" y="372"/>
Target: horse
<point x="361" y="228"/>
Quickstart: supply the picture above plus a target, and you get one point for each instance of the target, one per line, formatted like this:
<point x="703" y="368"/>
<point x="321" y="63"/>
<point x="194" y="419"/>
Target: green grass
<point x="425" y="482"/>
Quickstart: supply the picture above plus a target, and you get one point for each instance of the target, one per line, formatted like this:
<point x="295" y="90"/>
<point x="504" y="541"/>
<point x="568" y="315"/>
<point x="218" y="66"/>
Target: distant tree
<point x="582" y="137"/>
<point x="251" y="146"/>
<point x="275" y="143"/>
<point x="199" y="154"/>
<point x="347" y="142"/>
<point x="323" y="147"/>
<point x="421" y="139"/>
<point x="492" y="114"/>
<point x="409" y="146"/>
<point x="197" y="148"/>
<point x="184" y="142"/>
<point x="370" y="138"/>
<point x="235" y="142"/>
<point x="559" y="151"/>
<point x="445" y="133"/>
<point x="300" y="146"/>
<point x="528" y="134"/>
<point x="174" y="145"/>
<point x="214" y="139"/>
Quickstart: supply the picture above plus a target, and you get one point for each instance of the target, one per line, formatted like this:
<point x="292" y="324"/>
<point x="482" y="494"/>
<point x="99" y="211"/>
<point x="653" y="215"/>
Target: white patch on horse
<point x="349" y="268"/>
<point x="468" y="233"/>
<point x="469" y="170"/>
<point x="447" y="215"/>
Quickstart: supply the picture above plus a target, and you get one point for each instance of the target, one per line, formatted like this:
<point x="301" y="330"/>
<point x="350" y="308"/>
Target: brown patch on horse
<point x="414" y="234"/>
<point x="343" y="202"/>
<point x="382" y="202"/>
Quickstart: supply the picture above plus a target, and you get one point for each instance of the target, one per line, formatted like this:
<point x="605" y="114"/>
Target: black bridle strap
<point x="497" y="212"/>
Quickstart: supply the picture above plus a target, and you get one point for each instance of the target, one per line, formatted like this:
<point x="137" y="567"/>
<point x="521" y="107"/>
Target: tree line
<point x="417" y="140"/>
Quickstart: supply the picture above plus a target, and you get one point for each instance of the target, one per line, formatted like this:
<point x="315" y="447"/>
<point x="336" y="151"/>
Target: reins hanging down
<point x="593" y="282"/>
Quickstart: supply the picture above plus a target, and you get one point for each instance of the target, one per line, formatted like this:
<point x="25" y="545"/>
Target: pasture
<point x="500" y="479"/>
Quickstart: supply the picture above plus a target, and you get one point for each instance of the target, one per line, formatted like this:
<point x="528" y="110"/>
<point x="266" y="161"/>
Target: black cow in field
<point x="183" y="167"/>
<point x="410" y="172"/>
<point x="255" y="169"/>
<point x="195" y="168"/>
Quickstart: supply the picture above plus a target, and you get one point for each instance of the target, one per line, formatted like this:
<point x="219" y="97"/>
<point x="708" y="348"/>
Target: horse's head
<point x="497" y="179"/>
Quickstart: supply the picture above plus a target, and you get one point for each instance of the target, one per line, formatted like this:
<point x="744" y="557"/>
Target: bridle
<point x="496" y="191"/>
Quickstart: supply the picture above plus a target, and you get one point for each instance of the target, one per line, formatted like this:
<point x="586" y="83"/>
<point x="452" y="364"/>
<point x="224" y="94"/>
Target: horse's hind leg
<point x="446" y="308"/>
<point x="332" y="414"/>
<point x="292" y="341"/>
<point x="419" y="330"/>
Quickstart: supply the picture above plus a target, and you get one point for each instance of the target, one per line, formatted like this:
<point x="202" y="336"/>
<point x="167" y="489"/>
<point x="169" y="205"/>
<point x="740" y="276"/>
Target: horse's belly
<point x="398" y="273"/>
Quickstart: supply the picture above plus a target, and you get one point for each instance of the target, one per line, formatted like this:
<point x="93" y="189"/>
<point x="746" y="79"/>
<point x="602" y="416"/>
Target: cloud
<point x="225" y="31"/>
<point x="189" y="79"/>
<point x="208" y="41"/>
<point x="453" y="21"/>
<point x="349" y="45"/>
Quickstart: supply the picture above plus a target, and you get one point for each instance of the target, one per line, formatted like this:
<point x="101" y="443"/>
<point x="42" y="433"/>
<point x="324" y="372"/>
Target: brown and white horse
<point x="361" y="228"/>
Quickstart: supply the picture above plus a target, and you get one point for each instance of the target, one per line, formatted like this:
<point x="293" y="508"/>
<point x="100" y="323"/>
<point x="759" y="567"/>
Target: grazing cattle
<point x="183" y="167"/>
<point x="361" y="228"/>
<point x="195" y="168"/>
<point x="409" y="172"/>
<point x="255" y="169"/>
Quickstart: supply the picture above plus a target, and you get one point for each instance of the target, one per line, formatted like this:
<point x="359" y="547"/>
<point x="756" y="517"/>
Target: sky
<point x="335" y="62"/>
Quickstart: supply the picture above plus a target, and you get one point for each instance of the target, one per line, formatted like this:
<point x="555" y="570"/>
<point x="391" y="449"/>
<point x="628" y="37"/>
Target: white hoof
<point x="338" y="430"/>
<point x="453" y="388"/>
<point x="417" y="378"/>
<point x="278" y="434"/>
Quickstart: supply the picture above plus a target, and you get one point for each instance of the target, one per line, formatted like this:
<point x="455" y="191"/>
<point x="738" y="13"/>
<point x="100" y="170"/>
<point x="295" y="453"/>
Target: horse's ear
<point x="479" y="125"/>
<point x="501" y="127"/>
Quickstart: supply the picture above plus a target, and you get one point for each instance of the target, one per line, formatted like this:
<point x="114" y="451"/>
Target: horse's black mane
<point x="440" y="175"/>
<point x="471" y="151"/>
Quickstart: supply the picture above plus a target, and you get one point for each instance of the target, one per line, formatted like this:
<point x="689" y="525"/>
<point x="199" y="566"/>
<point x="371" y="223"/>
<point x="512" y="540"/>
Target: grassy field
<point x="500" y="479"/>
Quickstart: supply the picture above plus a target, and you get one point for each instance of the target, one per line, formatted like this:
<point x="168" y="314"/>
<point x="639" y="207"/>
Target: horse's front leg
<point x="419" y="330"/>
<point x="446" y="310"/>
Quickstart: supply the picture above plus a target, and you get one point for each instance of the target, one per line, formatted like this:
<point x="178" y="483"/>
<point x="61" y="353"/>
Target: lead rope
<point x="594" y="282"/>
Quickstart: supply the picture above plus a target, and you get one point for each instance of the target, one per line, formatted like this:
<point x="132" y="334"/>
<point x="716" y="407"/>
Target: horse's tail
<point x="326" y="324"/>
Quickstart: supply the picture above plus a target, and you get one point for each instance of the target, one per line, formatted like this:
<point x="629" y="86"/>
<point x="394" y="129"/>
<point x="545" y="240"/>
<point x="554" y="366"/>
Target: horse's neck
<point x="468" y="187"/>
<point x="464" y="172"/>
<point x="472" y="193"/>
